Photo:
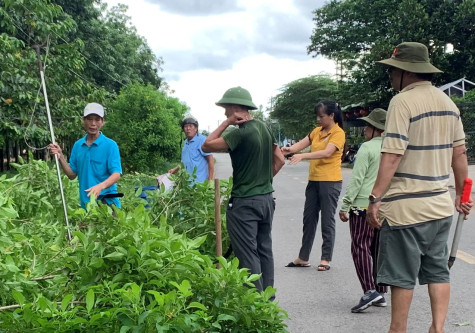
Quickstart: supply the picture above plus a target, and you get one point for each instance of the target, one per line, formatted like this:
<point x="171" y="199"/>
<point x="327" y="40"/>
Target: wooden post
<point x="217" y="219"/>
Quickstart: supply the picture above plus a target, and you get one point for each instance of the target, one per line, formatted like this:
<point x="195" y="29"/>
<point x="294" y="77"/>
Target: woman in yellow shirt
<point x="324" y="181"/>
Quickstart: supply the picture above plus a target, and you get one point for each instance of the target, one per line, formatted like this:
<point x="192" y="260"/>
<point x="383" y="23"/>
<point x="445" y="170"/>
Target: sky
<point x="209" y="46"/>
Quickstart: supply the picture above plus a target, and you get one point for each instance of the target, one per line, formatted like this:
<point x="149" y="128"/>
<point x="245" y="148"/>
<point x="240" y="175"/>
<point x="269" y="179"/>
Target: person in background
<point x="192" y="156"/>
<point x="410" y="202"/>
<point x="324" y="181"/>
<point x="364" y="239"/>
<point x="256" y="159"/>
<point x="95" y="160"/>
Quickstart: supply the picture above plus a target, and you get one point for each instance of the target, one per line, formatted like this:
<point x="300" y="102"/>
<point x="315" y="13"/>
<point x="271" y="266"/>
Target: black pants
<point x="319" y="197"/>
<point x="249" y="223"/>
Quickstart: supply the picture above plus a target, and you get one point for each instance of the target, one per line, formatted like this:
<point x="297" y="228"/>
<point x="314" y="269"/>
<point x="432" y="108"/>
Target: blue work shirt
<point x="95" y="163"/>
<point x="192" y="156"/>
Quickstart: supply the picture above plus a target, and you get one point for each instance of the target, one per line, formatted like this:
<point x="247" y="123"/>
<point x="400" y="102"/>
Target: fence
<point x="11" y="151"/>
<point x="467" y="112"/>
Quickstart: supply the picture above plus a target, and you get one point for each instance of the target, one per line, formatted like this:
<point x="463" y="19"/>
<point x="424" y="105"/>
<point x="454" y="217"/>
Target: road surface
<point x="321" y="301"/>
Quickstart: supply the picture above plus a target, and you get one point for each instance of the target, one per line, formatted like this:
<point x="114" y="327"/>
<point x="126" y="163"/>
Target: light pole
<point x="276" y="122"/>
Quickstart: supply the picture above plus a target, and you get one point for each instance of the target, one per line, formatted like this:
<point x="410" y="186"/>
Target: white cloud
<point x="210" y="46"/>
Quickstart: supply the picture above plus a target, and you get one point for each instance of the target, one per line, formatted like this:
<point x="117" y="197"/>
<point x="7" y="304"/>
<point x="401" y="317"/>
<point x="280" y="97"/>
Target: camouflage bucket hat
<point x="412" y="57"/>
<point x="238" y="96"/>
<point x="377" y="118"/>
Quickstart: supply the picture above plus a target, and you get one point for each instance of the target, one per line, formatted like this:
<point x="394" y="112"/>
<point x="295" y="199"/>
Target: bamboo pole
<point x="217" y="219"/>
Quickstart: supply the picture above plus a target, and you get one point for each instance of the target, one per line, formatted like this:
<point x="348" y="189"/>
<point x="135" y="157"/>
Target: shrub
<point x="129" y="273"/>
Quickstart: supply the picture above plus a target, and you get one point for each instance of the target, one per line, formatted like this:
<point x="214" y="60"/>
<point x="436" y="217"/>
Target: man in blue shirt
<point x="192" y="156"/>
<point x="94" y="159"/>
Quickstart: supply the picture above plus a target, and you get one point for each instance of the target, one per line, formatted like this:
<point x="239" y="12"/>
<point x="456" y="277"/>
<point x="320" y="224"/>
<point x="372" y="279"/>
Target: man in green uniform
<point x="256" y="158"/>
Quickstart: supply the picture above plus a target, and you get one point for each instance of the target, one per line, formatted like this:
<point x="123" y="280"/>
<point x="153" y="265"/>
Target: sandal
<point x="323" y="268"/>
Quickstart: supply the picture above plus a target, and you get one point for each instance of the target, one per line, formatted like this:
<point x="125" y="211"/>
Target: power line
<point x="36" y="100"/>
<point x="97" y="66"/>
<point x="21" y="30"/>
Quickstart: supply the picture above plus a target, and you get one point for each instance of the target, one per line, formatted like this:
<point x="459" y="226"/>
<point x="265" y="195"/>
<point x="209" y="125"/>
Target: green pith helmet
<point x="238" y="96"/>
<point x="377" y="118"/>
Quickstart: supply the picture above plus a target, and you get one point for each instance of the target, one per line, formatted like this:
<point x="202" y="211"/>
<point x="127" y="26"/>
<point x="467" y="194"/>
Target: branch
<point x="17" y="306"/>
<point x="41" y="278"/>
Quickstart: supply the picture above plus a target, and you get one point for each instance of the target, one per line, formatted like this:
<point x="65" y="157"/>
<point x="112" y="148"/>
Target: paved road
<point x="321" y="301"/>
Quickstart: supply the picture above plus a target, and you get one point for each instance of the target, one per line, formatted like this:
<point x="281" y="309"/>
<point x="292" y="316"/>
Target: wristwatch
<point x="373" y="198"/>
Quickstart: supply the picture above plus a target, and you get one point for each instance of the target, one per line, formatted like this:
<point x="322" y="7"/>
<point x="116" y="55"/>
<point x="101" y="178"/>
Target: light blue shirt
<point x="192" y="156"/>
<point x="95" y="163"/>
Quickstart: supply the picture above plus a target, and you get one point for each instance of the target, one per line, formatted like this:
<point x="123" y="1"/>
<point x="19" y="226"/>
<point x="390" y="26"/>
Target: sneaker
<point x="381" y="302"/>
<point x="368" y="299"/>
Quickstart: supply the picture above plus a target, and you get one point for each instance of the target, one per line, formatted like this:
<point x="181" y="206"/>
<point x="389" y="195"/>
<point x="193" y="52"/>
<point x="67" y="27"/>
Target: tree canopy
<point x="90" y="54"/>
<point x="294" y="106"/>
<point x="145" y="123"/>
<point x="117" y="54"/>
<point x="356" y="33"/>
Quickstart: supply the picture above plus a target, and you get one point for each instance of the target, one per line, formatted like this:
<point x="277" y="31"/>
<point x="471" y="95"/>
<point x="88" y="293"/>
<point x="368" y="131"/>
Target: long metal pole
<point x="53" y="140"/>
<point x="467" y="189"/>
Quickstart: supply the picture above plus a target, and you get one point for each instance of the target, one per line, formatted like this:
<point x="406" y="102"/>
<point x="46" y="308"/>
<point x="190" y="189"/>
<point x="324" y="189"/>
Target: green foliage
<point x="467" y="113"/>
<point x="257" y="114"/>
<point x="118" y="55"/>
<point x="356" y="33"/>
<point x="129" y="273"/>
<point x="88" y="55"/>
<point x="145" y="124"/>
<point x="468" y="98"/>
<point x="23" y="25"/>
<point x="294" y="106"/>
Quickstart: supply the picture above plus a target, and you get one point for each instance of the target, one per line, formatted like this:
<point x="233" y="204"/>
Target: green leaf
<point x="10" y="265"/>
<point x="8" y="212"/>
<point x="124" y="329"/>
<point x="225" y="317"/>
<point x="65" y="302"/>
<point x="81" y="237"/>
<point x="197" y="305"/>
<point x="184" y="287"/>
<point x="467" y="323"/>
<point x="55" y="247"/>
<point x="89" y="300"/>
<point x="18" y="296"/>
<point x="143" y="316"/>
<point x="115" y="256"/>
<point x="159" y="297"/>
<point x="136" y="290"/>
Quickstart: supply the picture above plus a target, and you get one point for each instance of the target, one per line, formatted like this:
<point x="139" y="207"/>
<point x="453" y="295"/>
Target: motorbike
<point x="350" y="154"/>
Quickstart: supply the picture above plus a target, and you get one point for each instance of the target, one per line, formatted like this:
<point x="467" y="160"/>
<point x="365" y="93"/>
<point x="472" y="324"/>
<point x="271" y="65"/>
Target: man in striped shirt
<point x="424" y="139"/>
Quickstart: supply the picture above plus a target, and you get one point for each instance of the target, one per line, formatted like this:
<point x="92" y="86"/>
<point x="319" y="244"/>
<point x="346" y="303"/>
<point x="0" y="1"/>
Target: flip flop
<point x="323" y="268"/>
<point x="291" y="264"/>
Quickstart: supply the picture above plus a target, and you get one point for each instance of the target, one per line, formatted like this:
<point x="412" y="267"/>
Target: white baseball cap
<point x="94" y="108"/>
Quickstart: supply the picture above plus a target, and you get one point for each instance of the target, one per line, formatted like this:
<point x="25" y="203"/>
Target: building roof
<point x="458" y="87"/>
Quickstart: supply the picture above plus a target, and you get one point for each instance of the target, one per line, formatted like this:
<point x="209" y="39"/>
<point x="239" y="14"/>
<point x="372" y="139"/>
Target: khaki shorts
<point x="418" y="251"/>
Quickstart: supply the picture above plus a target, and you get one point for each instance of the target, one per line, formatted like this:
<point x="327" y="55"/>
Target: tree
<point x="257" y="114"/>
<point x="294" y="106"/>
<point x="116" y="54"/>
<point x="356" y="33"/>
<point x="145" y="123"/>
<point x="88" y="56"/>
<point x="23" y="25"/>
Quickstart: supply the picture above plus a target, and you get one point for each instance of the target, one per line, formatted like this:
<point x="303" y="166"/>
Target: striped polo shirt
<point x="423" y="125"/>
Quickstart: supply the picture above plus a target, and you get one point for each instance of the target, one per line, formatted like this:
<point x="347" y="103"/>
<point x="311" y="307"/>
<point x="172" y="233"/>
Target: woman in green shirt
<point x="364" y="239"/>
